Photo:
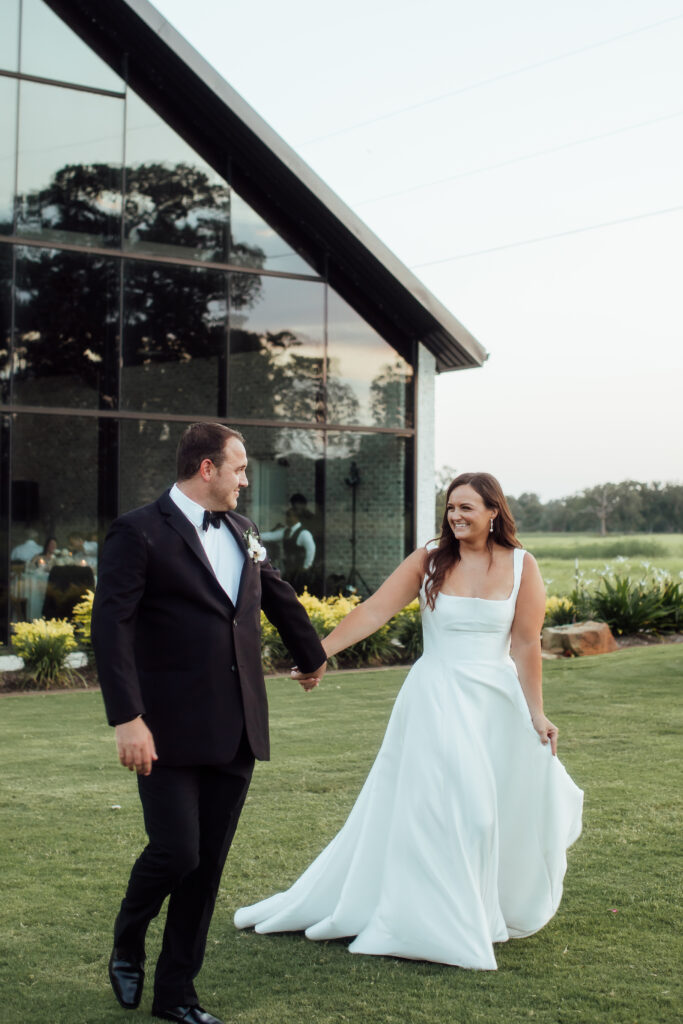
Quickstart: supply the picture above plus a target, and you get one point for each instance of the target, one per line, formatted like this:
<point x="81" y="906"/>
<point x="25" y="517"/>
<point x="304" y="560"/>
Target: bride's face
<point x="468" y="516"/>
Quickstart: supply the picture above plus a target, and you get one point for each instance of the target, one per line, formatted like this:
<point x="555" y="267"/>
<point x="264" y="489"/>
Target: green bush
<point x="44" y="645"/>
<point x="641" y="606"/>
<point x="407" y="629"/>
<point x="81" y="616"/>
<point x="559" y="611"/>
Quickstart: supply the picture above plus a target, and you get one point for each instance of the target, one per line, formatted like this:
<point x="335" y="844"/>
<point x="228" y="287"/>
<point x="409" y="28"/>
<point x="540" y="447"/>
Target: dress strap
<point x="517" y="566"/>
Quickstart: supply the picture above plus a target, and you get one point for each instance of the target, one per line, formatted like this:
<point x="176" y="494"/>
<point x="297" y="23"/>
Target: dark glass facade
<point x="139" y="292"/>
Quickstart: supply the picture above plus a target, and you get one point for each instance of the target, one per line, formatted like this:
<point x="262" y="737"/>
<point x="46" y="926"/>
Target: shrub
<point x="325" y="613"/>
<point x="81" y="616"/>
<point x="559" y="611"/>
<point x="672" y="604"/>
<point x="632" y="607"/>
<point x="407" y="629"/>
<point x="44" y="645"/>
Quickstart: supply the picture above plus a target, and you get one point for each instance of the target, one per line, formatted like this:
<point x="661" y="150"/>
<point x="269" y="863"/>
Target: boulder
<point x="578" y="639"/>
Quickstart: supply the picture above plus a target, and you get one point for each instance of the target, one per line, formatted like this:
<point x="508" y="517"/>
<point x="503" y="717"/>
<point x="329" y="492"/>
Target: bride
<point x="458" y="838"/>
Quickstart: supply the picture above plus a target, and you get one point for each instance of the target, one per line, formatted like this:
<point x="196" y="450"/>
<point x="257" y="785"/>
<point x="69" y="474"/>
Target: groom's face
<point x="229" y="477"/>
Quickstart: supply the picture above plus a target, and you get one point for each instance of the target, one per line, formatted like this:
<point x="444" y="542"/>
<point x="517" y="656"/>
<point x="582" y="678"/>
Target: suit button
<point x="233" y="668"/>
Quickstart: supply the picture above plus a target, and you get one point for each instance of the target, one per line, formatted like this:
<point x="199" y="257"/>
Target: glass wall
<point x="8" y="133"/>
<point x="115" y="334"/>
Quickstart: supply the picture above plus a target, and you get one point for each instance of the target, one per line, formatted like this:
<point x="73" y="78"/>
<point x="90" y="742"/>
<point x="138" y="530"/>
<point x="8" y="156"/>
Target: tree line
<point x="631" y="506"/>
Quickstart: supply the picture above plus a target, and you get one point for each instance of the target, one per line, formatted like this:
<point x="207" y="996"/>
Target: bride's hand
<point x="309" y="680"/>
<point x="546" y="730"/>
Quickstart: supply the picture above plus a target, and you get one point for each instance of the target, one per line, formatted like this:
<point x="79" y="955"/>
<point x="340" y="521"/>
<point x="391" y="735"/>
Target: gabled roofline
<point x="134" y="38"/>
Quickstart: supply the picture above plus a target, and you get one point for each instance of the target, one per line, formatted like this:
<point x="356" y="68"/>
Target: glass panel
<point x="174" y="339"/>
<point x="5" y="319"/>
<point x="67" y="315"/>
<point x="50" y="49"/>
<point x="255" y="244"/>
<point x="4" y="529"/>
<point x="176" y="204"/>
<point x="368" y="382"/>
<point x="70" y="165"/>
<point x="8" y="140"/>
<point x="53" y="535"/>
<point x="9" y="34"/>
<point x="368" y="509"/>
<point x="148" y="466"/>
<point x="276" y="348"/>
<point x="285" y="499"/>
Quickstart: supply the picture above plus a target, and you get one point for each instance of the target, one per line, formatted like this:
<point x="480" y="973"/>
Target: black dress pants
<point x="191" y="814"/>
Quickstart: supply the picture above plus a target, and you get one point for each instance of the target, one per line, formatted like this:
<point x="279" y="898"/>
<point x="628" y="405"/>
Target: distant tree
<point x="528" y="511"/>
<point x="442" y="480"/>
<point x="388" y="393"/>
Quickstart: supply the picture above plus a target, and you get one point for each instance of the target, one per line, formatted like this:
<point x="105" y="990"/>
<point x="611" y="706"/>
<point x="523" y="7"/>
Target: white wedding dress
<point x="458" y="838"/>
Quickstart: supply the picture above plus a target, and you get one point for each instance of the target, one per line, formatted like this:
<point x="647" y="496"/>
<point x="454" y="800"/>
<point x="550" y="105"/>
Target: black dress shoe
<point x="127" y="978"/>
<point x="186" y="1015"/>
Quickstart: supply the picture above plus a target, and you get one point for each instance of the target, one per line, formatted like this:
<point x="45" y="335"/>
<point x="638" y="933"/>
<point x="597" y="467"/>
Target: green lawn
<point x="611" y="954"/>
<point x="556" y="554"/>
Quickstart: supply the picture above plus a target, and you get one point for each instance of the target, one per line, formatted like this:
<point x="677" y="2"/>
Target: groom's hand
<point x="309" y="680"/>
<point x="136" y="748"/>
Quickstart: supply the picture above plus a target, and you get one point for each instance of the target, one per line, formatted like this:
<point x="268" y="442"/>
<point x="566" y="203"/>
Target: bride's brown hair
<point x="447" y="553"/>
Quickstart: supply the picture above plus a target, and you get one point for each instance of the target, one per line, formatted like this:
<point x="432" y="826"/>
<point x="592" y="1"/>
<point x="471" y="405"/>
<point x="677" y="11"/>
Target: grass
<point x="556" y="554"/>
<point x="67" y="853"/>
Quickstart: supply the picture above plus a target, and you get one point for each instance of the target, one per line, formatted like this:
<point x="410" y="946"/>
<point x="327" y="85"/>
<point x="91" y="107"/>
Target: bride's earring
<point x="491" y="525"/>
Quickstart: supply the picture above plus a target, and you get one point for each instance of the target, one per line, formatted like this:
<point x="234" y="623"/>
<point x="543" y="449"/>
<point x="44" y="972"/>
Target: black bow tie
<point x="212" y="519"/>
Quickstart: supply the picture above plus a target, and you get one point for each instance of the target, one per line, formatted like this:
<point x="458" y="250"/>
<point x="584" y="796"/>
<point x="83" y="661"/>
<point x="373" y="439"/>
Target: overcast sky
<point x="526" y="161"/>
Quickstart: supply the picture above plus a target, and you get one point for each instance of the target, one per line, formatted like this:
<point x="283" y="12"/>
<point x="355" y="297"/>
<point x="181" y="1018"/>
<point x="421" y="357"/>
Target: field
<point x="557" y="552"/>
<point x="71" y="828"/>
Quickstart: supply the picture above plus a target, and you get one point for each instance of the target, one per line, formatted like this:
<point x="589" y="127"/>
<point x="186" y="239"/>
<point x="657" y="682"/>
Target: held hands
<point x="309" y="680"/>
<point x="546" y="730"/>
<point x="135" y="745"/>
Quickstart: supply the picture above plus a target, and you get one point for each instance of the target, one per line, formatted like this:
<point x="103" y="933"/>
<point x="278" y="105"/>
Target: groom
<point x="176" y="632"/>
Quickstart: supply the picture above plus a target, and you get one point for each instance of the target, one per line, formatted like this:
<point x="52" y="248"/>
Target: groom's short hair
<point x="202" y="441"/>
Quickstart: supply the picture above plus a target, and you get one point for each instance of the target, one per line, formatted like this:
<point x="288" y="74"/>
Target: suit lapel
<point x="182" y="525"/>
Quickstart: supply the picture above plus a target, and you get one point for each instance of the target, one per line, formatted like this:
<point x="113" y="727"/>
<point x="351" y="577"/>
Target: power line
<point x="546" y="238"/>
<point x="517" y="159"/>
<point x="489" y="81"/>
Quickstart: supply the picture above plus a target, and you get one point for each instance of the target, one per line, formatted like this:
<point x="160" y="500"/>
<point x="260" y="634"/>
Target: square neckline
<point x="493" y="600"/>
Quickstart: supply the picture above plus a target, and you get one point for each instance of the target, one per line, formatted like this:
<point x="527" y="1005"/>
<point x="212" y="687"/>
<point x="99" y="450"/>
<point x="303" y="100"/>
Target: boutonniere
<point x="255" y="548"/>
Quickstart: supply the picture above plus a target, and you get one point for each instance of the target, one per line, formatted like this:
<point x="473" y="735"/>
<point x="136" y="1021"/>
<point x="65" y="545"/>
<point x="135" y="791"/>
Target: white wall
<point x="425" y="486"/>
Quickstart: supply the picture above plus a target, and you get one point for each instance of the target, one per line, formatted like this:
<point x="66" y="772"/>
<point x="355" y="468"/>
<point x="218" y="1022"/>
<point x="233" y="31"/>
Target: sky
<point x="526" y="162"/>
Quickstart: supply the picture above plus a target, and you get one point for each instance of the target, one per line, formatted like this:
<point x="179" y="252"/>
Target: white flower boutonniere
<point x="255" y="548"/>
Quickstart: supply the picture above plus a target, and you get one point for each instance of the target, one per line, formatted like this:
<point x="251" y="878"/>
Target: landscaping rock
<point x="578" y="639"/>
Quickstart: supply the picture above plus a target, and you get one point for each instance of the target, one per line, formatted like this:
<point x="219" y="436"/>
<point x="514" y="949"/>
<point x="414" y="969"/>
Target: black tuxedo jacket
<point x="172" y="647"/>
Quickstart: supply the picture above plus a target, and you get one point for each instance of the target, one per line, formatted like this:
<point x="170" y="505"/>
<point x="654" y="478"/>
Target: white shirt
<point x="221" y="547"/>
<point x="304" y="540"/>
<point x="26" y="550"/>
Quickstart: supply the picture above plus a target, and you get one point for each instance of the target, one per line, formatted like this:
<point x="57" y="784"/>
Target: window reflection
<point x="285" y="498"/>
<point x="69" y="166"/>
<point x="5" y="319"/>
<point x="276" y="348"/>
<point x="8" y="116"/>
<point x="50" y="49"/>
<point x="174" y="339"/>
<point x="53" y="535"/>
<point x="372" y="471"/>
<point x="176" y="204"/>
<point x="362" y="364"/>
<point x="255" y="244"/>
<point x="66" y="327"/>
<point x="148" y="468"/>
<point x="9" y="34"/>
